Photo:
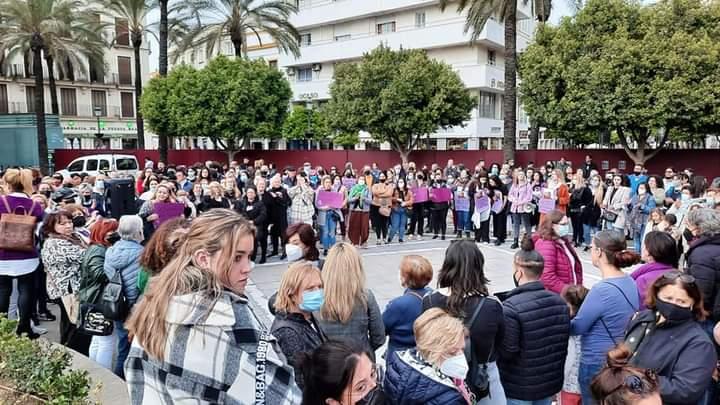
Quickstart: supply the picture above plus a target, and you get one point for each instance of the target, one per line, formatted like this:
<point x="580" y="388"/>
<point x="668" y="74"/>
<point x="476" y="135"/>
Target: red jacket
<point x="557" y="272"/>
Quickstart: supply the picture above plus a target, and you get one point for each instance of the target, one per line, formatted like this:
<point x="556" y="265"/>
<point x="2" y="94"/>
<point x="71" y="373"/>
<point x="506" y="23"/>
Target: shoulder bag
<point x="113" y="304"/>
<point x="478" y="380"/>
<point x="17" y="232"/>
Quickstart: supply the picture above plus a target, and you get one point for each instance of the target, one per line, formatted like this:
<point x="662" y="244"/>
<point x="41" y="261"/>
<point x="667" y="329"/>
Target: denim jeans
<point x="463" y="221"/>
<point x="328" y="231"/>
<point x="586" y="373"/>
<point x="637" y="239"/>
<point x="588" y="233"/>
<point x="517" y="219"/>
<point x="545" y="401"/>
<point x="497" y="392"/>
<point x="398" y="223"/>
<point x="123" y="349"/>
<point x="102" y="349"/>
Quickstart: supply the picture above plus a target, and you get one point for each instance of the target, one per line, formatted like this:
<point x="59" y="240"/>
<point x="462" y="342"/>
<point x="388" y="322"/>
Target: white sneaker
<point x="37" y="329"/>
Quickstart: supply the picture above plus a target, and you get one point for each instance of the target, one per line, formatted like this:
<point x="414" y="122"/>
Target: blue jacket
<point x="532" y="356"/>
<point x="124" y="256"/>
<point x="410" y="380"/>
<point x="399" y="317"/>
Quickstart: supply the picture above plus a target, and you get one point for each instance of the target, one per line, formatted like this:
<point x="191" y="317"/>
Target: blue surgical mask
<point x="562" y="230"/>
<point x="312" y="300"/>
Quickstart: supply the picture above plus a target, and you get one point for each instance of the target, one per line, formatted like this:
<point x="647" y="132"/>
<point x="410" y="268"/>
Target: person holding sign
<point x="402" y="199"/>
<point x="461" y="203"/>
<point x="328" y="204"/>
<point x="498" y="198"/>
<point x="339" y="187"/>
<point x="151" y="217"/>
<point x="359" y="200"/>
<point x="380" y="209"/>
<point x="481" y="208"/>
<point x="520" y="196"/>
<point x="440" y="195"/>
<point x="420" y="197"/>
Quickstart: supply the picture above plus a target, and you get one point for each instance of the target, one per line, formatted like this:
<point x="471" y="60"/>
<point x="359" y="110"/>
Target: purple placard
<point x="482" y="204"/>
<point x="167" y="211"/>
<point x="462" y="204"/>
<point x="497" y="206"/>
<point x="546" y="205"/>
<point x="440" y="195"/>
<point x="329" y="199"/>
<point x="420" y="194"/>
<point x="348" y="182"/>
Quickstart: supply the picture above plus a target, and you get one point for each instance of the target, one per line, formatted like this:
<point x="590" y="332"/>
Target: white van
<point x="126" y="165"/>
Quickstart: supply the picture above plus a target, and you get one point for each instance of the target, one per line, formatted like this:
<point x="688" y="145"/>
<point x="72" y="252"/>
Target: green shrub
<point x="40" y="369"/>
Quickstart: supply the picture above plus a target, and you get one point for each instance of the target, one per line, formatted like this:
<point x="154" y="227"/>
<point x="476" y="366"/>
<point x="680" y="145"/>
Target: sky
<point x="561" y="8"/>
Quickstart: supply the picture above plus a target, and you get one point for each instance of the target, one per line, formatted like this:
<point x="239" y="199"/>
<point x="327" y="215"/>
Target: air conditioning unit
<point x="493" y="84"/>
<point x="291" y="72"/>
<point x="501" y="85"/>
<point x="316" y="67"/>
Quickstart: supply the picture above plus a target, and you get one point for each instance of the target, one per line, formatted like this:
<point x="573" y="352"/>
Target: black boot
<point x="515" y="244"/>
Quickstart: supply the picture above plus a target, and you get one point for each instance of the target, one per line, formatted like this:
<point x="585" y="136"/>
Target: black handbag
<point x="478" y="379"/>
<point x="113" y="303"/>
<point x="609" y="216"/>
<point x="93" y="321"/>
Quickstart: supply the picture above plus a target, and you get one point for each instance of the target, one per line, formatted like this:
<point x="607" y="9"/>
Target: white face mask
<point x="562" y="230"/>
<point x="293" y="252"/>
<point x="455" y="367"/>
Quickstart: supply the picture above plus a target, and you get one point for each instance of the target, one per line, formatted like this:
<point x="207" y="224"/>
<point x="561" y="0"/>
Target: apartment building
<point x="91" y="100"/>
<point x="335" y="31"/>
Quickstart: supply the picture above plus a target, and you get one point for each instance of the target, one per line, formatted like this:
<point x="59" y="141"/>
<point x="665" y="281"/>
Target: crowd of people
<point x="158" y="295"/>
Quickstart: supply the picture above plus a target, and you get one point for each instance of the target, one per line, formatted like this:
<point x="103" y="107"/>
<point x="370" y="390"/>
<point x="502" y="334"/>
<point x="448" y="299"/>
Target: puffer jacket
<point x="124" y="256"/>
<point x="410" y="380"/>
<point x="702" y="260"/>
<point x="558" y="272"/>
<point x="532" y="356"/>
<point x="92" y="274"/>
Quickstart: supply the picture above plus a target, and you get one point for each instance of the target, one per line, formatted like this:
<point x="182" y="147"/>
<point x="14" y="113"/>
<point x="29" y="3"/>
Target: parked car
<point x="126" y="165"/>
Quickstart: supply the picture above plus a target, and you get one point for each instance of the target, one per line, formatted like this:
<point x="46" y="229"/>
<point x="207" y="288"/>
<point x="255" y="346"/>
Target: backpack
<point x="478" y="380"/>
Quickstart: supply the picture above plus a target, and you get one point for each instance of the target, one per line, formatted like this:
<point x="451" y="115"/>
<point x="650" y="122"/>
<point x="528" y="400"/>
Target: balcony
<point x="313" y="90"/>
<point x="321" y="12"/>
<point x="481" y="76"/>
<point x="83" y="111"/>
<point x="474" y="128"/>
<point x="444" y="33"/>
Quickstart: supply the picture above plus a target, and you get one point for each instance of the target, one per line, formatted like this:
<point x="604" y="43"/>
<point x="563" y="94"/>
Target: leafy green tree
<point x="218" y="19"/>
<point x="302" y="123"/>
<point x="398" y="97"/>
<point x="648" y="73"/>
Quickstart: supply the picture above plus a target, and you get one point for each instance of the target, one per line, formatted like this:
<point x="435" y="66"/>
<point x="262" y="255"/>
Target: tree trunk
<point x="137" y="41"/>
<point x="404" y="156"/>
<point x="533" y="136"/>
<point x="36" y="44"/>
<point x="510" y="99"/>
<point x="238" y="46"/>
<point x="51" y="81"/>
<point x="163" y="143"/>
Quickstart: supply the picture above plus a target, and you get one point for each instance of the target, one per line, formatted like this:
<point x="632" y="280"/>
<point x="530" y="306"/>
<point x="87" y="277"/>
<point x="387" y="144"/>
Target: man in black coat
<point x="702" y="260"/>
<point x="276" y="202"/>
<point x="537" y="329"/>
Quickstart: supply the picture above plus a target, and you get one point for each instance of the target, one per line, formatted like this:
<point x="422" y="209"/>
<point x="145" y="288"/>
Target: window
<point x="487" y="106"/>
<point x="342" y="37"/>
<point x="273" y="64"/>
<point x="68" y="101"/>
<point x="95" y="73"/>
<point x="122" y="33"/>
<point x="104" y="164"/>
<point x="76" y="166"/>
<point x="304" y="74"/>
<point x="3" y="99"/>
<point x="420" y="19"/>
<point x="125" y="163"/>
<point x="124" y="70"/>
<point x="127" y="107"/>
<point x="385" y="28"/>
<point x="129" y="144"/>
<point x="228" y="47"/>
<point x="99" y="100"/>
<point x="30" y="98"/>
<point x="305" y="39"/>
<point x="491" y="57"/>
<point x="92" y="165"/>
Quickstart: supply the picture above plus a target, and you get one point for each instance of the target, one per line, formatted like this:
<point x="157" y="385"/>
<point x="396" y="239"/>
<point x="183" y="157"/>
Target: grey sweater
<point x="365" y="324"/>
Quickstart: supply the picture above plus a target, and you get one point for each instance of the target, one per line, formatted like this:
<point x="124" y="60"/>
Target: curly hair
<point x="163" y="245"/>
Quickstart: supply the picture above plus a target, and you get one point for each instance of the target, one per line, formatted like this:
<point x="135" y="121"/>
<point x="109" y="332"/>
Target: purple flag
<point x="167" y="211"/>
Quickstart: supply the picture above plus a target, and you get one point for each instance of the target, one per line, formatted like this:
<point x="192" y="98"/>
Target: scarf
<point x="72" y="238"/>
<point x="358" y="190"/>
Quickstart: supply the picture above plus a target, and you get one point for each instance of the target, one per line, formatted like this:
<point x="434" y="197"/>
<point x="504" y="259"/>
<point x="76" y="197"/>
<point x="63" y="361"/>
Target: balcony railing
<point x="81" y="110"/>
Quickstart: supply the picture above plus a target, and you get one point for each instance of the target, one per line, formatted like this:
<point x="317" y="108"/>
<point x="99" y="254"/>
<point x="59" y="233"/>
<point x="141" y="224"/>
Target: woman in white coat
<point x="616" y="200"/>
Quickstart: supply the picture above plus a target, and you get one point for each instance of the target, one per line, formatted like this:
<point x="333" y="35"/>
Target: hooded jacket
<point x="703" y="262"/>
<point x="558" y="271"/>
<point x="124" y="256"/>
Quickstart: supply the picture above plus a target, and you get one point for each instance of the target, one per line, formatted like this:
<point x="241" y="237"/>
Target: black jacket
<point x="703" y="262"/>
<point x="681" y="354"/>
<point x="254" y="211"/>
<point x="580" y="200"/>
<point x="532" y="354"/>
<point x="295" y="335"/>
<point x="276" y="203"/>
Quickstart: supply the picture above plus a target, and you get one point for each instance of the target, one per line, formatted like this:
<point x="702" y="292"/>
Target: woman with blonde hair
<point x="350" y="310"/>
<point x="591" y="216"/>
<point x="581" y="198"/>
<point x="215" y="198"/>
<point x="195" y="327"/>
<point x="296" y="329"/>
<point x="434" y="373"/>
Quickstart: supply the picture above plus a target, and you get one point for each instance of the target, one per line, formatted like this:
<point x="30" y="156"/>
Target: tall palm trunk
<point x="163" y="67"/>
<point x="36" y="45"/>
<point x="510" y="99"/>
<point x="137" y="42"/>
<point x="51" y="81"/>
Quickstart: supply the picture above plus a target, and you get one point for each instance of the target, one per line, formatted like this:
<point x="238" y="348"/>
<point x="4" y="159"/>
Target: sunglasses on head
<point x="634" y="383"/>
<point x="684" y="277"/>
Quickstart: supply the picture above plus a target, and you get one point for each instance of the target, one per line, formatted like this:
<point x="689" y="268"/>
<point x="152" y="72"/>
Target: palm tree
<point x="163" y="67"/>
<point x="217" y="19"/>
<point x="479" y="11"/>
<point x="30" y="25"/>
<point x="135" y="13"/>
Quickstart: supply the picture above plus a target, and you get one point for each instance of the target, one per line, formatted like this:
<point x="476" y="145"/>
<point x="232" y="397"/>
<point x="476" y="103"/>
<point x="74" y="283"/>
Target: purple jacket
<point x="645" y="275"/>
<point x="520" y="195"/>
<point x="15" y="201"/>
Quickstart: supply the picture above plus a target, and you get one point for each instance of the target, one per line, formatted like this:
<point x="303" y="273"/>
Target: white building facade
<point x="83" y="92"/>
<point x="335" y="31"/>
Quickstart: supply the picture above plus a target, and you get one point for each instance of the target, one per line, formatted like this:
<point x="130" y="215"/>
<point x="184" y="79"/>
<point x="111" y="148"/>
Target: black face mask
<point x="46" y="193"/>
<point x="79" y="221"/>
<point x="672" y="312"/>
<point x="516" y="281"/>
<point x="112" y="237"/>
<point x="367" y="172"/>
<point x="637" y="173"/>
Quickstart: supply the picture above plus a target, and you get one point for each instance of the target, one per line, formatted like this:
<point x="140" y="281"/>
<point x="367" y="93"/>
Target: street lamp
<point x="98" y="112"/>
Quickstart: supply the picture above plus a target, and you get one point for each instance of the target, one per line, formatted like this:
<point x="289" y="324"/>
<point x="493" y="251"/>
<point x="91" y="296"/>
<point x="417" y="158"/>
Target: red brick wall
<point x="705" y="162"/>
